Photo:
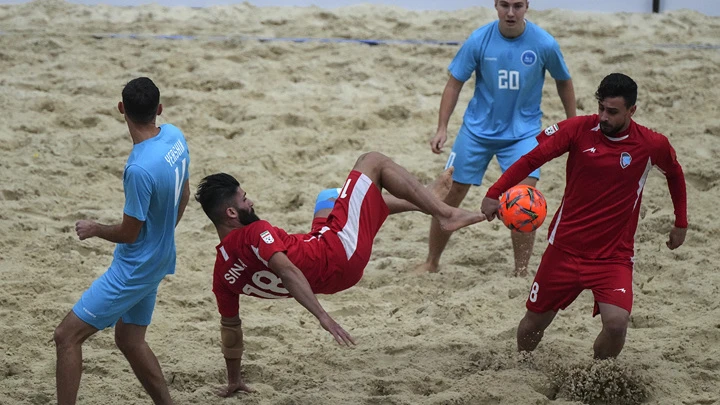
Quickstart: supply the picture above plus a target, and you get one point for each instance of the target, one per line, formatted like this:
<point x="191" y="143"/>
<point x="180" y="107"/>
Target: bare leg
<point x="439" y="187"/>
<point x="389" y="175"/>
<point x="130" y="339"/>
<point x="523" y="242"/>
<point x="611" y="339"/>
<point x="438" y="237"/>
<point x="532" y="328"/>
<point x="69" y="337"/>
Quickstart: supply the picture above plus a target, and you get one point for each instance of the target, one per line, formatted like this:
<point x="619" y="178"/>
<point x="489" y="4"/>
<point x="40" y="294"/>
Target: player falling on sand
<point x="257" y="259"/>
<point x="591" y="237"/>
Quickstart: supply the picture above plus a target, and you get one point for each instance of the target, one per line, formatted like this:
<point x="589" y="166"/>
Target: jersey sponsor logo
<point x="490" y="58"/>
<point x="622" y="290"/>
<point x="625" y="159"/>
<point x="267" y="238"/>
<point x="551" y="129"/>
<point x="591" y="150"/>
<point x="528" y="58"/>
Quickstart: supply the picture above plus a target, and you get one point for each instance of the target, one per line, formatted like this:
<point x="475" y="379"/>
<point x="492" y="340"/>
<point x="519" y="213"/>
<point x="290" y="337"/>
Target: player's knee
<point x="61" y="336"/>
<point x="616" y="326"/>
<point x="126" y="344"/>
<point x="457" y="193"/>
<point x="536" y="322"/>
<point x="372" y="158"/>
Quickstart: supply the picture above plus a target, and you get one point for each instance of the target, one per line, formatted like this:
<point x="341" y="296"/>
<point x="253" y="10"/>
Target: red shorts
<point x="350" y="230"/>
<point x="561" y="277"/>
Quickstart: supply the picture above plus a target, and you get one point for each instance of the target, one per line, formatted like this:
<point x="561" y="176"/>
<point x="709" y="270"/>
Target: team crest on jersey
<point x="267" y="238"/>
<point x="625" y="159"/>
<point x="528" y="58"/>
<point x="551" y="129"/>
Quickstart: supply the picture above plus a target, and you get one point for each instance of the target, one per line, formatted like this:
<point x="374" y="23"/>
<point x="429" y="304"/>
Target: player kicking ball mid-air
<point x="257" y="259"/>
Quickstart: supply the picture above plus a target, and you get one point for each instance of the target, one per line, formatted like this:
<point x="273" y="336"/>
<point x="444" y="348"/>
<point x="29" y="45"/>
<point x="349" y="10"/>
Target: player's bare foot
<point x="426" y="268"/>
<point x="460" y="218"/>
<point x="521" y="272"/>
<point x="440" y="187"/>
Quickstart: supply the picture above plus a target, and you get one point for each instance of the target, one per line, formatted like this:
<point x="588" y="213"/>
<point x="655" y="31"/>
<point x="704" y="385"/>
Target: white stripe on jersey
<point x="224" y="253"/>
<point x="551" y="239"/>
<point x="349" y="234"/>
<point x="643" y="179"/>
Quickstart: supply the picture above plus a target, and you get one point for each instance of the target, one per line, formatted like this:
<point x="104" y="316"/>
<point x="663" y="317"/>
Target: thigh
<point x="357" y="215"/>
<point x="470" y="158"/>
<point x="355" y="220"/>
<point x="141" y="313"/>
<point x="511" y="153"/>
<point x="610" y="282"/>
<point x="556" y="284"/>
<point x="107" y="299"/>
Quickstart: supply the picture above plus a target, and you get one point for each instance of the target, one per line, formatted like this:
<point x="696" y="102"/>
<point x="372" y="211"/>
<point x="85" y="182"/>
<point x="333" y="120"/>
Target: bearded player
<point x="257" y="259"/>
<point x="591" y="237"/>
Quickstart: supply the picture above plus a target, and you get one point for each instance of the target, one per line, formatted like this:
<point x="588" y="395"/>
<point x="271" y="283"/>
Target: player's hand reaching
<point x="438" y="141"/>
<point x="489" y="208"/>
<point x="232" y="388"/>
<point x="677" y="238"/>
<point x="340" y="335"/>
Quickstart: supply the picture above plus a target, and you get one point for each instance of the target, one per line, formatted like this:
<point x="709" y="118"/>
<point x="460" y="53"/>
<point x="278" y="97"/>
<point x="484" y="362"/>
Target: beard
<point x="609" y="130"/>
<point x="247" y="217"/>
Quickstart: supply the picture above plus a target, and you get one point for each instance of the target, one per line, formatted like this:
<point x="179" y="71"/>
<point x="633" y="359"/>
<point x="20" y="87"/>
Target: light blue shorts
<point x="109" y="299"/>
<point x="470" y="155"/>
<point x="326" y="199"/>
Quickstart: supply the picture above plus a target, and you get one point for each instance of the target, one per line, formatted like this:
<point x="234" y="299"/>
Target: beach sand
<point x="289" y="119"/>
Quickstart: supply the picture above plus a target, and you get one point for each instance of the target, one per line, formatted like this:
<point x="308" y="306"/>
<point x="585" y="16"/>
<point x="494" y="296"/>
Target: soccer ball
<point x="522" y="208"/>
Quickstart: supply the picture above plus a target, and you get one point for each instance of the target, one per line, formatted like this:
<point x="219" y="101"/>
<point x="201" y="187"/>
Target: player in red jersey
<point x="591" y="237"/>
<point x="257" y="259"/>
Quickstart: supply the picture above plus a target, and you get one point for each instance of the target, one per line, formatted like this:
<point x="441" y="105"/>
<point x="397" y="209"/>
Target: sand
<point x="289" y="119"/>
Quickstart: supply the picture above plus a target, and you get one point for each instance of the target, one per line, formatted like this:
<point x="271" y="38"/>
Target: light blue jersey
<point x="153" y="181"/>
<point x="509" y="79"/>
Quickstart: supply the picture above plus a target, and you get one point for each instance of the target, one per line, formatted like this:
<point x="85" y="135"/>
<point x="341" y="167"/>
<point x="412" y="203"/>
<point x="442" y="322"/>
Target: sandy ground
<point x="289" y="119"/>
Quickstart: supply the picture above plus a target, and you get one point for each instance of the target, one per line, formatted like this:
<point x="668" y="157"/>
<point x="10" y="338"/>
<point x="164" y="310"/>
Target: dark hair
<point x="214" y="194"/>
<point x="617" y="85"/>
<point x="141" y="99"/>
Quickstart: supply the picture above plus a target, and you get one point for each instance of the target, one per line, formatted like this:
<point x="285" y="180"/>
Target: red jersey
<point x="332" y="256"/>
<point x="605" y="176"/>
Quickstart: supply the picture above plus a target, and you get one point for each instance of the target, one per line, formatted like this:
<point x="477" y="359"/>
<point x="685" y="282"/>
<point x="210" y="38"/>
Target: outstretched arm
<point x="295" y="282"/>
<point x="232" y="346"/>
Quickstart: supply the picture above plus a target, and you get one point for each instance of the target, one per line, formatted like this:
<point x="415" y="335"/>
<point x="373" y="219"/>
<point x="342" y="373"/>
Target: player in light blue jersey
<point x="509" y="58"/>
<point x="157" y="191"/>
